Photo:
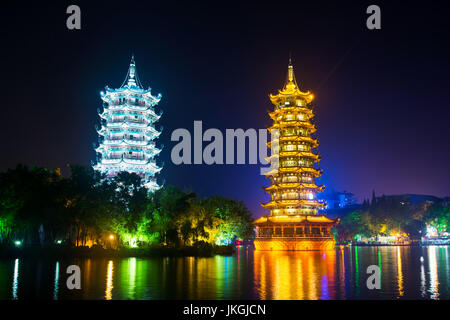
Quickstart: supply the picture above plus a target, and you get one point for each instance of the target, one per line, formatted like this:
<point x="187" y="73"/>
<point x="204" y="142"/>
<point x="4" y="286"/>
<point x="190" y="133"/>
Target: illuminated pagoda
<point x="128" y="133"/>
<point x="296" y="221"/>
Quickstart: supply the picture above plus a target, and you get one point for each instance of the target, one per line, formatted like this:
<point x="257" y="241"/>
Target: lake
<point x="406" y="273"/>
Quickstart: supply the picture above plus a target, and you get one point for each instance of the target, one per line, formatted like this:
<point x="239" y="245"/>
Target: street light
<point x="18" y="243"/>
<point x="111" y="237"/>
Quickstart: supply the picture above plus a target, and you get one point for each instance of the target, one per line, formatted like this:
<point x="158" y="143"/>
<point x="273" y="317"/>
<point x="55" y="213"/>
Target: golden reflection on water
<point x="295" y="275"/>
<point x="399" y="271"/>
<point x="432" y="264"/>
<point x="342" y="270"/>
<point x="109" y="280"/>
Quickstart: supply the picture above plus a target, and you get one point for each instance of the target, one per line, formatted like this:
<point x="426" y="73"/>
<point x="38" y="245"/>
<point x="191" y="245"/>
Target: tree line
<point x="39" y="206"/>
<point x="388" y="216"/>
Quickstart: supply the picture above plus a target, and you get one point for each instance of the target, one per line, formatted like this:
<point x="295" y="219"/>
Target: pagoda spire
<point x="290" y="70"/>
<point x="132" y="80"/>
<point x="291" y="87"/>
<point x="291" y="83"/>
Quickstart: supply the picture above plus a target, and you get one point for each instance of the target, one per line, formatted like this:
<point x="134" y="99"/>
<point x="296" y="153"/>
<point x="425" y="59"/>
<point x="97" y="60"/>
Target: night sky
<point x="382" y="97"/>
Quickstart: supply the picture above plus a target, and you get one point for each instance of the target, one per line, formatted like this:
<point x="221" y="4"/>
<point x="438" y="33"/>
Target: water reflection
<point x="399" y="272"/>
<point x="432" y="264"/>
<point x="422" y="279"/>
<point x="132" y="278"/>
<point x="407" y="272"/>
<point x="109" y="280"/>
<point x="342" y="270"/>
<point x="56" y="283"/>
<point x="15" y="284"/>
<point x="295" y="275"/>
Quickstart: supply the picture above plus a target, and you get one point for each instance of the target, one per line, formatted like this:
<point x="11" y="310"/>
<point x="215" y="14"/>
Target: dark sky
<point x="382" y="97"/>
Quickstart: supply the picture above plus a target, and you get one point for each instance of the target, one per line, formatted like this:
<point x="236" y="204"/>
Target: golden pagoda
<point x="294" y="222"/>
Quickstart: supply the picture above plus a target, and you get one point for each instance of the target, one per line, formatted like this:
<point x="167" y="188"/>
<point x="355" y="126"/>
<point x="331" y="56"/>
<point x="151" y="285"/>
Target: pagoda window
<point x="306" y="230"/>
<point x="324" y="231"/>
<point x="288" y="232"/>
<point x="290" y="179"/>
<point x="288" y="132"/>
<point x="290" y="195"/>
<point x="290" y="163"/>
<point x="315" y="230"/>
<point x="278" y="231"/>
<point x="299" y="230"/>
<point x="290" y="117"/>
<point x="289" y="147"/>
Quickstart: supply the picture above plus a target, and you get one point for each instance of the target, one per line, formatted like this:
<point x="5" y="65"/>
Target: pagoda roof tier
<point x="117" y="130"/>
<point x="112" y="94"/>
<point x="322" y="219"/>
<point x="146" y="161"/>
<point x="150" y="134"/>
<point x="294" y="185"/>
<point x="148" y="150"/>
<point x="305" y="154"/>
<point x="293" y="123"/>
<point x="152" y="185"/>
<point x="290" y="109"/>
<point x="126" y="142"/>
<point x="310" y="140"/>
<point x="314" y="171"/>
<point x="290" y="89"/>
<point x="141" y="124"/>
<point x="126" y="109"/>
<point x="129" y="125"/>
<point x="148" y="113"/>
<point x="289" y="203"/>
<point x="149" y="168"/>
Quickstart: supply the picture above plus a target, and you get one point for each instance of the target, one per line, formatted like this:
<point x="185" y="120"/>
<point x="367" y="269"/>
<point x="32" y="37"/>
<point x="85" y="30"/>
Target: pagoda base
<point x="294" y="244"/>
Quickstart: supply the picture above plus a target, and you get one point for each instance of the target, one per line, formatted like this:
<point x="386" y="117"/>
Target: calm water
<point x="407" y="273"/>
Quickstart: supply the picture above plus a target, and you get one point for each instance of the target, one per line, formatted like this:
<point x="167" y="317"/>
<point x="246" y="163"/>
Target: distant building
<point x="339" y="200"/>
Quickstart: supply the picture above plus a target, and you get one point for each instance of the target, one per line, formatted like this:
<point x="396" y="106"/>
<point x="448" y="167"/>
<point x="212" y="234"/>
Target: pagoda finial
<point x="290" y="70"/>
<point x="290" y="83"/>
<point x="291" y="87"/>
<point x="132" y="80"/>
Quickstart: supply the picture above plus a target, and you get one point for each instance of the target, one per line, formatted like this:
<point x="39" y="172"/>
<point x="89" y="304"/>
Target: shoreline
<point x="86" y="252"/>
